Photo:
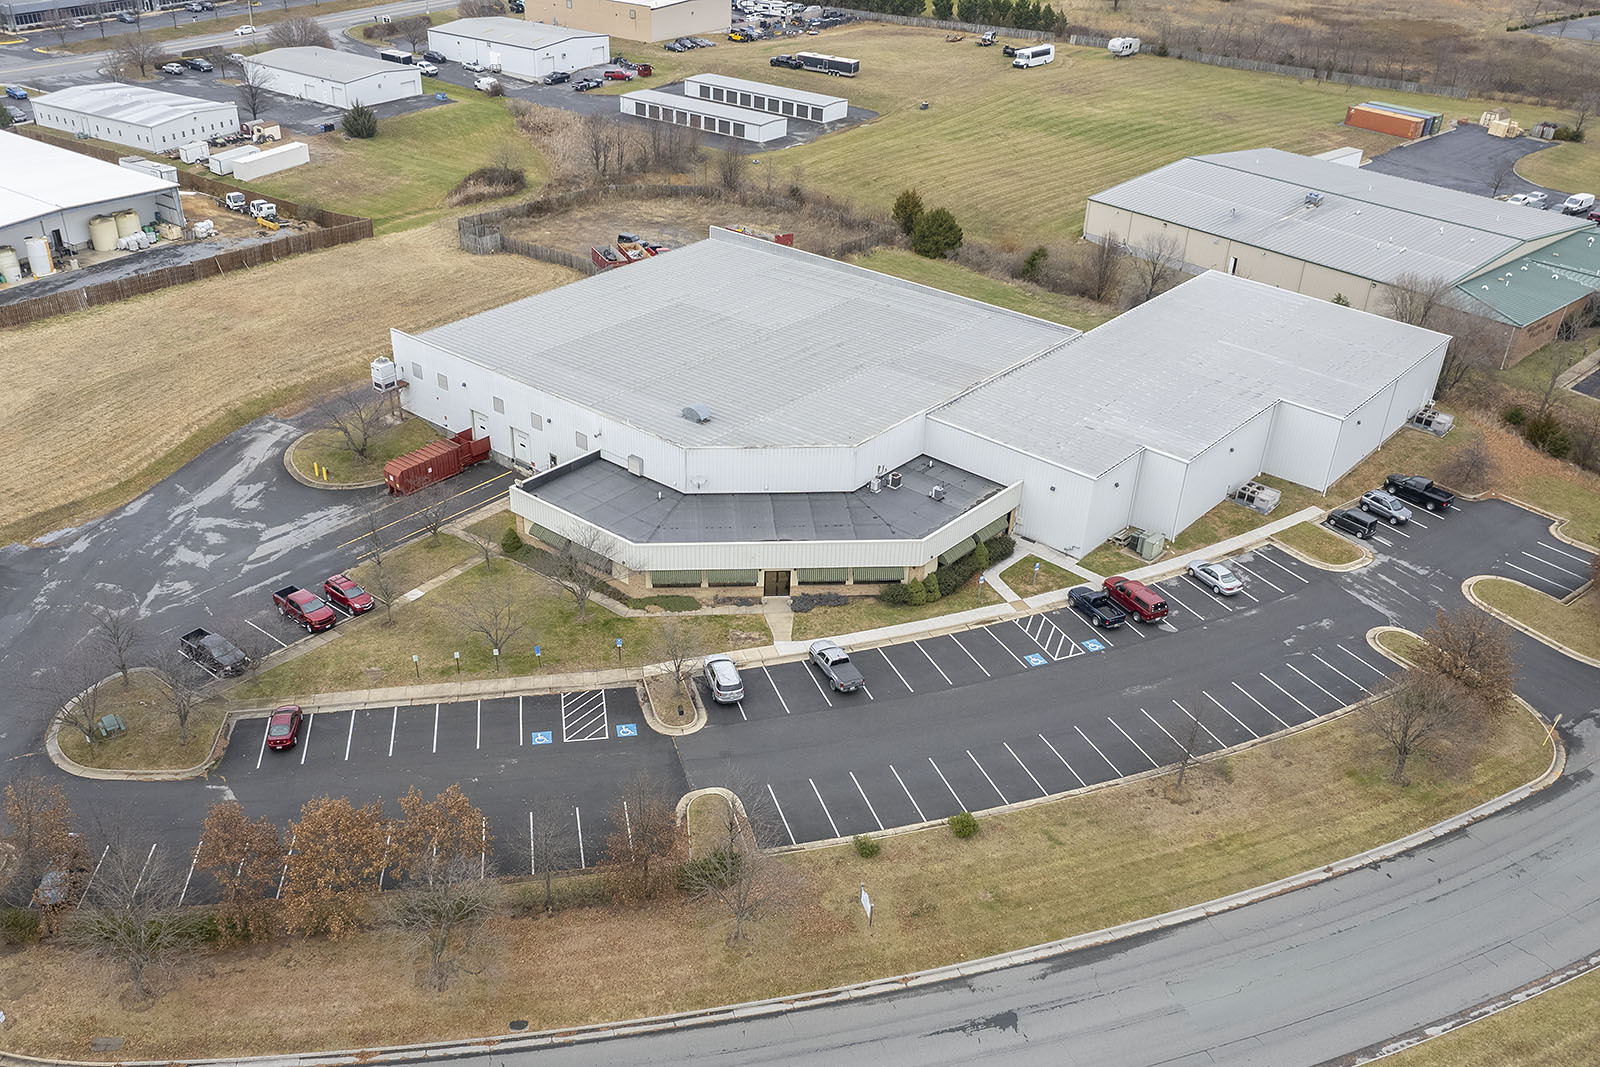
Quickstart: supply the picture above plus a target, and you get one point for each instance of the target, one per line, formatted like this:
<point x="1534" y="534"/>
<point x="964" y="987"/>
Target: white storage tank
<point x="38" y="252"/>
<point x="10" y="268"/>
<point x="127" y="222"/>
<point x="103" y="233"/>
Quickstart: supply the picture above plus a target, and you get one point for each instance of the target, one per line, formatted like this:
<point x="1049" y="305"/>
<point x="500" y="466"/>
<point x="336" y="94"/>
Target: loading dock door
<point x="480" y="426"/>
<point x="521" y="446"/>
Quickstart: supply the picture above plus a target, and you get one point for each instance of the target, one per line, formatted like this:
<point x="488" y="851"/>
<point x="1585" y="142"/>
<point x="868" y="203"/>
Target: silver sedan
<point x="1216" y="577"/>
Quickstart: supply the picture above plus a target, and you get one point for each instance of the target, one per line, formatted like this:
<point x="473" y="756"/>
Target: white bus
<point x="1037" y="56"/>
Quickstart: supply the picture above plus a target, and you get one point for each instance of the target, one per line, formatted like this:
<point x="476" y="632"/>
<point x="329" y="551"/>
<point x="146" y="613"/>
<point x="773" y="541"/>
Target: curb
<point x="52" y="745"/>
<point x="288" y="465"/>
<point x="1469" y="590"/>
<point x="652" y="720"/>
<point x="1367" y="556"/>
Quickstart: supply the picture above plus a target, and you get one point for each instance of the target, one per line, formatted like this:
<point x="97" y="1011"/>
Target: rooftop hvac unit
<point x="385" y="375"/>
<point x="1257" y="497"/>
<point x="1148" y="545"/>
<point x="697" y="413"/>
<point x="1313" y="200"/>
<point x="894" y="479"/>
<point x="877" y="484"/>
<point x="1434" y="422"/>
<point x="936" y="493"/>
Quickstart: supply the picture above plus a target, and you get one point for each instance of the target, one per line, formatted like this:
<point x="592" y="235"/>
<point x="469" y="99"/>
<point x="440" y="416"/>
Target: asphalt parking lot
<point x="1468" y="159"/>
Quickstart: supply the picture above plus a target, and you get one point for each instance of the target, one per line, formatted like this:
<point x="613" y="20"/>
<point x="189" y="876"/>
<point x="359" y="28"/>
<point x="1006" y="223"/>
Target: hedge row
<point x="952" y="575"/>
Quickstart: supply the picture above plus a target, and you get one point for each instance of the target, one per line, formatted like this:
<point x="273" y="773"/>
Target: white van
<point x="1578" y="204"/>
<point x="1037" y="56"/>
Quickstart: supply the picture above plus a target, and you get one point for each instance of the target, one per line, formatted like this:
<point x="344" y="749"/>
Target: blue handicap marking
<point x="1035" y="659"/>
<point x="543" y="737"/>
<point x="627" y="729"/>
<point x="1094" y="646"/>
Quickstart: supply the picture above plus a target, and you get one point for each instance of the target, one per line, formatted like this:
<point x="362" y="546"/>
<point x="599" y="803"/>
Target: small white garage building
<point x="527" y="50"/>
<point x="775" y="99"/>
<point x="741" y="123"/>
<point x="135" y="115"/>
<point x="326" y="76"/>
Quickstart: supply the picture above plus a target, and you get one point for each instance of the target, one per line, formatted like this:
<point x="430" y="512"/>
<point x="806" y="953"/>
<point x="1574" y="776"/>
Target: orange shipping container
<point x="1365" y="118"/>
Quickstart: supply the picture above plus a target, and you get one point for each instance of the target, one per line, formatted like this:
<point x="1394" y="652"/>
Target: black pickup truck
<point x="215" y="653"/>
<point x="1419" y="490"/>
<point x="1097" y="606"/>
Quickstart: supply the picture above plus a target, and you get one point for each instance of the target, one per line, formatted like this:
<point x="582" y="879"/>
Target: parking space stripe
<point x="813" y="676"/>
<point x="1042" y="790"/>
<point x="583" y="716"/>
<point x="1340" y="673"/>
<point x="577" y="815"/>
<point x="825" y="810"/>
<point x="970" y="656"/>
<point x="478" y="741"/>
<point x="1103" y="756"/>
<point x="1063" y="760"/>
<point x="866" y="690"/>
<point x="533" y="852"/>
<point x="934" y="663"/>
<point x="436" y="728"/>
<point x="776" y="690"/>
<point x="394" y="724"/>
<point x="1382" y="541"/>
<point x="740" y="705"/>
<point x="1164" y="730"/>
<point x="281" y="874"/>
<point x="1211" y="595"/>
<point x="947" y="784"/>
<point x="1361" y="661"/>
<point x="264" y="732"/>
<point x="1230" y="714"/>
<point x="274" y="636"/>
<point x="1416" y="522"/>
<point x="990" y="631"/>
<point x="781" y="815"/>
<point x="1307" y="677"/>
<point x="1201" y="723"/>
<point x="1092" y="628"/>
<point x="1281" y="567"/>
<point x="1531" y="574"/>
<point x="521" y="733"/>
<point x="95" y="873"/>
<point x="1257" y="577"/>
<point x="909" y="797"/>
<point x="1258" y="703"/>
<point x="896" y="670"/>
<point x="986" y="777"/>
<point x="1135" y="744"/>
<point x="188" y="877"/>
<point x="349" y="735"/>
<point x="1562" y="552"/>
<point x="1402" y="533"/>
<point x="1290" y="695"/>
<point x="1181" y="604"/>
<point x="864" y="796"/>
<point x="305" y="742"/>
<point x="1556" y="566"/>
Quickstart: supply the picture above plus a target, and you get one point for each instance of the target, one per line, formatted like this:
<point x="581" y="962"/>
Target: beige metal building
<point x="634" y="20"/>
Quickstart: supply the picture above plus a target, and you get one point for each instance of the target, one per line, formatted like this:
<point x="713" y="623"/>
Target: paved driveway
<point x="1466" y="159"/>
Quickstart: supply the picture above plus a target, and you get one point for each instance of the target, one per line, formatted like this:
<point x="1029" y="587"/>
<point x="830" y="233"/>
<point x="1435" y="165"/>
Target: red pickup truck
<point x="1138" y="599"/>
<point x="307" y="609"/>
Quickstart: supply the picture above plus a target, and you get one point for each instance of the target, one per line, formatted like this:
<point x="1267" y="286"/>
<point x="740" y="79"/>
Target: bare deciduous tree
<point x="574" y="563"/>
<point x="133" y="914"/>
<point x="1413" y="298"/>
<point x="382" y="584"/>
<point x="479" y="9"/>
<point x="550" y="843"/>
<point x="70" y="694"/>
<point x="1474" y="650"/>
<point x="1470" y="467"/>
<point x="137" y="52"/>
<point x="735" y="868"/>
<point x="356" y="416"/>
<point x="1101" y="271"/>
<point x="678" y="645"/>
<point x="118" y="635"/>
<point x="493" y="610"/>
<point x="1560" y="360"/>
<point x="647" y="844"/>
<point x="485" y="543"/>
<point x="254" y="83"/>
<point x="413" y="30"/>
<point x="731" y="167"/>
<point x="1476" y="344"/>
<point x="445" y="917"/>
<point x="1504" y="172"/>
<point x="245" y="859"/>
<point x="299" y="33"/>
<point x="1155" y="266"/>
<point x="1191" y="741"/>
<point x="1411" y="712"/>
<point x="184" y="685"/>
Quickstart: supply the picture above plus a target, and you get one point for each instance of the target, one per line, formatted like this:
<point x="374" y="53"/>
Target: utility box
<point x="1432" y="421"/>
<point x="1148" y="545"/>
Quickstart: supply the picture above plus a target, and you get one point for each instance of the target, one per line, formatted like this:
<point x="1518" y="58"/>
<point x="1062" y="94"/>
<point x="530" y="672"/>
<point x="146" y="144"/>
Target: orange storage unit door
<point x="1366" y="118"/>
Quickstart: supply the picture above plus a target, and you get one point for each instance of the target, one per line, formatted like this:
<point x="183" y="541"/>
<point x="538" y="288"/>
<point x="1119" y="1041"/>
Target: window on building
<point x="444" y="383"/>
<point x="582" y="441"/>
<point x="499" y="406"/>
<point x="416" y="372"/>
<point x="538" y="423"/>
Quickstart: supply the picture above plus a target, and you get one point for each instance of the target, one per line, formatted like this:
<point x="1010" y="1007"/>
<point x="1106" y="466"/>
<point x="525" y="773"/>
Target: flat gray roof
<point x="643" y="511"/>
<point x="137" y="104"/>
<point x="786" y="348"/>
<point x="1180" y="372"/>
<point x="510" y="31"/>
<point x="326" y="63"/>
<point x="782" y="92"/>
<point x="1372" y="225"/>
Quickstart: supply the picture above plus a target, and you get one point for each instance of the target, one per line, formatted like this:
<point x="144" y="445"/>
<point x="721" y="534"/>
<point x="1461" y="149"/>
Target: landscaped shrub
<point x="1001" y="547"/>
<point x="980" y="556"/>
<point x="1545" y="432"/>
<point x="953" y="576"/>
<point x="936" y="234"/>
<point x="963" y="824"/>
<point x="866" y="847"/>
<point x="806" y="601"/>
<point x="1516" y="415"/>
<point x="930" y="586"/>
<point x="906" y="211"/>
<point x="1568" y="133"/>
<point x="916" y="594"/>
<point x="720" y="868"/>
<point x="361" y="122"/>
<point x="1033" y="266"/>
<point x="897" y="594"/>
<point x="18" y="926"/>
<point x="510" y="541"/>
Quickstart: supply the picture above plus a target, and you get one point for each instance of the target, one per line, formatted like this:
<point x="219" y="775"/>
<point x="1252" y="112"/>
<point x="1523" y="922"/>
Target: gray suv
<point x="1385" y="506"/>
<point x="722" y="678"/>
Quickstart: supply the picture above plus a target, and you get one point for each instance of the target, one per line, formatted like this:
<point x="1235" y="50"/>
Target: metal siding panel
<point x="1301" y="446"/>
<point x="1160" y="488"/>
<point x="1218" y="470"/>
<point x="1112" y="499"/>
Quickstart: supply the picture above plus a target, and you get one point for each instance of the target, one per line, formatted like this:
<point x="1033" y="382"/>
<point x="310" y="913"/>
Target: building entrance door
<point x="775" y="583"/>
<point x="521" y="447"/>
<point x="480" y="426"/>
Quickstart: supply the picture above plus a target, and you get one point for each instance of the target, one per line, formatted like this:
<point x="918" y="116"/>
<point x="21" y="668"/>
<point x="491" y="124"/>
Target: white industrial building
<point x="522" y="49"/>
<point x="868" y="428"/>
<point x="135" y="115"/>
<point x="326" y="76"/>
<point x="742" y="123"/>
<point x="50" y="194"/>
<point x="776" y="99"/>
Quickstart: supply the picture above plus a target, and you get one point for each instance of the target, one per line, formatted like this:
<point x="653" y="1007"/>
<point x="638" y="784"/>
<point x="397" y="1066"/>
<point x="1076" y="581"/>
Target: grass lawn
<point x="1312" y="540"/>
<point x="1564" y="165"/>
<point x="400" y="178"/>
<point x="435" y="627"/>
<point x="1074" y="311"/>
<point x="1561" y="1026"/>
<point x="418" y="561"/>
<point x="1108" y="560"/>
<point x="151" y="742"/>
<point x="1027" y="877"/>
<point x="1021" y="577"/>
<point x="1576" y="625"/>
<point x="1401" y="644"/>
<point x="329" y="449"/>
<point x="869" y="613"/>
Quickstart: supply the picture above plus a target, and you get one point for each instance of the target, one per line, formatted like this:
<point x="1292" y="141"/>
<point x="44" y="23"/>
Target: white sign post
<point x="866" y="904"/>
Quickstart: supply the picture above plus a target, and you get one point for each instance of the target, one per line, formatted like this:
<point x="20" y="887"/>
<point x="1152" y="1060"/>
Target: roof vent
<point x="1313" y="199"/>
<point x="697" y="413"/>
<point x="936" y="493"/>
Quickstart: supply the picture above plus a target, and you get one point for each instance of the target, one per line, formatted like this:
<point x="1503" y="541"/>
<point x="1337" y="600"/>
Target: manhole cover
<point x="519" y="1024"/>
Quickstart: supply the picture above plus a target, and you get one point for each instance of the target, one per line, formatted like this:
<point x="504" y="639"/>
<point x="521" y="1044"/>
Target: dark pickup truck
<point x="305" y="608"/>
<point x="213" y="652"/>
<point x="1419" y="490"/>
<point x="1097" y="606"/>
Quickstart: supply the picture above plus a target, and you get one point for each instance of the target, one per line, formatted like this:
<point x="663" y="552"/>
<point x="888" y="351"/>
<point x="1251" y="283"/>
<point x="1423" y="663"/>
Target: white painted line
<point x="825" y="810"/>
<point x="94" y="873"/>
<point x="781" y="815"/>
<point x="1258" y="577"/>
<point x="627" y="821"/>
<point x="478" y="743"/>
<point x="521" y="732"/>
<point x="1540" y="577"/>
<point x="1260" y="705"/>
<point x="867" y="691"/>
<point x="1381" y="541"/>
<point x="934" y="663"/>
<point x="436" y="728"/>
<point x="990" y="631"/>
<point x="1562" y="552"/>
<point x="577" y="814"/>
<point x="285" y="872"/>
<point x="147" y="858"/>
<point x="1454" y="508"/>
<point x="186" y="878"/>
<point x="806" y="666"/>
<point x="1211" y="594"/>
<point x="776" y="691"/>
<point x="305" y="742"/>
<point x="1307" y="677"/>
<point x="1030" y="636"/>
<point x="1180" y="603"/>
<point x="265" y="731"/>
<point x="1135" y="744"/>
<point x="985" y="774"/>
<point x="533" y="855"/>
<point x="909" y="797"/>
<point x="394" y="723"/>
<point x="1340" y="673"/>
<point x="1042" y="790"/>
<point x="271" y="635"/>
<point x="1288" y="694"/>
<point x="349" y="735"/>
<point x="970" y="656"/>
<point x="1396" y="530"/>
<point x="1363" y="662"/>
<point x="1200" y="724"/>
<point x="740" y="705"/>
<point x="1164" y="730"/>
<point x="1555" y="566"/>
<point x="583" y="716"/>
<point x="864" y="796"/>
<point x="1063" y="760"/>
<point x="1281" y="567"/>
<point x="947" y="784"/>
<point x="896" y="670"/>
<point x="1413" y="520"/>
<point x="1103" y="756"/>
<point x="1230" y="714"/>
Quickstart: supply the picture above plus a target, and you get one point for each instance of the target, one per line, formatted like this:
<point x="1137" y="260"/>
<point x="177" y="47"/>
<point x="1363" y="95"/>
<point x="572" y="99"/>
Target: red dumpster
<point x="434" y="462"/>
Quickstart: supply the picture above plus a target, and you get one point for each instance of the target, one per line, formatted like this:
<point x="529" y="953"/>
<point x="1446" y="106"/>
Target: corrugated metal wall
<point x="1155" y="498"/>
<point x="1224" y="466"/>
<point x="1301" y="445"/>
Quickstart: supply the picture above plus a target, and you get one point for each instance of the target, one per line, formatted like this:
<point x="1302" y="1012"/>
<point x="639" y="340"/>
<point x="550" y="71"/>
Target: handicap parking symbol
<point x="543" y="737"/>
<point x="627" y="729"/>
<point x="1035" y="659"/>
<point x="1094" y="646"/>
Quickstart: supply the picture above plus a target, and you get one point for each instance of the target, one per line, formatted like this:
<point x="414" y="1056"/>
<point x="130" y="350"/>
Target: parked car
<point x="1419" y="490"/>
<point x="472" y="66"/>
<point x="1528" y="200"/>
<point x="644" y="70"/>
<point x="243" y="31"/>
<point x="1138" y="599"/>
<point x="1385" y="506"/>
<point x="16" y="92"/>
<point x="1008" y="50"/>
<point x="583" y="85"/>
<point x="347" y="594"/>
<point x="674" y="46"/>
<point x="619" y="75"/>
<point x="834" y="663"/>
<point x="435" y="57"/>
<point x="427" y="68"/>
<point x="484" y="85"/>
<point x="196" y="63"/>
<point x="1215" y="576"/>
<point x="283" y="729"/>
<point x="1352" y="522"/>
<point x="785" y="61"/>
<point x="17" y="115"/>
<point x="76" y="24"/>
<point x="127" y="17"/>
<point x="193" y="5"/>
<point x="556" y="77"/>
<point x="722" y="678"/>
<point x="172" y="68"/>
<point x="1097" y="606"/>
<point x="701" y="42"/>
<point x="305" y="608"/>
<point x="213" y="652"/>
<point x="1578" y="204"/>
<point x="687" y="42"/>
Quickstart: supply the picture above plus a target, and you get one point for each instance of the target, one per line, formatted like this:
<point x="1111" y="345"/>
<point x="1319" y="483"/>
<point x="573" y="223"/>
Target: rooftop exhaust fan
<point x="1313" y="200"/>
<point x="697" y="413"/>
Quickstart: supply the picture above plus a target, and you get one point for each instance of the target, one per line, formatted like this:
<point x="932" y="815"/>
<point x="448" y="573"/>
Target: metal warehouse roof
<point x="701" y="106"/>
<point x="136" y="104"/>
<point x="1372" y="225"/>
<point x="36" y="179"/>
<point x="1541" y="283"/>
<point x="784" y="347"/>
<point x="1180" y="372"/>
<point x="803" y="96"/>
<point x="318" y="62"/>
<point x="509" y="31"/>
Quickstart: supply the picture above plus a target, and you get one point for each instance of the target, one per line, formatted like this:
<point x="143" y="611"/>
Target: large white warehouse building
<point x="135" y="115"/>
<point x="522" y="49"/>
<point x="326" y="76"/>
<point x="864" y="429"/>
